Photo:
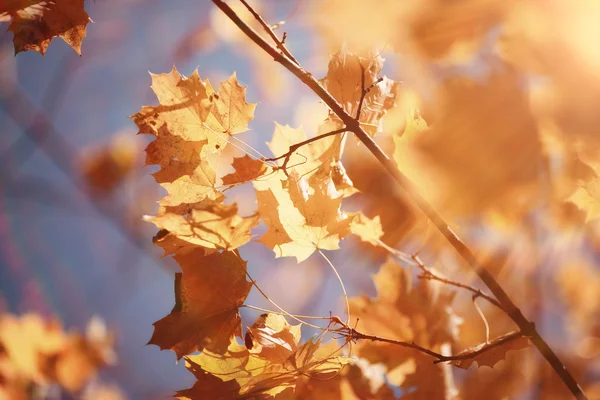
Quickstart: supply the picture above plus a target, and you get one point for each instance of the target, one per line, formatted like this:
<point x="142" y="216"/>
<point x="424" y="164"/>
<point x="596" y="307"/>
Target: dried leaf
<point x="246" y="169"/>
<point x="207" y="296"/>
<point x="345" y="82"/>
<point x="368" y="230"/>
<point x="35" y="23"/>
<point x="240" y="374"/>
<point x="299" y="222"/>
<point x="214" y="226"/>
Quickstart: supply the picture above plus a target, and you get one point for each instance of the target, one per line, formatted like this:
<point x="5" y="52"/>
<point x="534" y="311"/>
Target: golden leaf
<point x="246" y="169"/>
<point x="298" y="222"/>
<point x="368" y="230"/>
<point x="214" y="226"/>
<point x="241" y="374"/>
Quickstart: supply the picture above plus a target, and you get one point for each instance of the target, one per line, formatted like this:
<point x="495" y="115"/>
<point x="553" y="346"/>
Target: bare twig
<point x="364" y="90"/>
<point x="280" y="43"/>
<point x="526" y="326"/>
<point x="353" y="334"/>
<point x="428" y="273"/>
<point x="294" y="147"/>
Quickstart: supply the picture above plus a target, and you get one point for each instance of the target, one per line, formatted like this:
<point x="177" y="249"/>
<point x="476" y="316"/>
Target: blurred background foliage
<point x="496" y="122"/>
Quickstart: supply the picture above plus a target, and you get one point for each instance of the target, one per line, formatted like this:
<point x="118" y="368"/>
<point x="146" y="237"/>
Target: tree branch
<point x="428" y="273"/>
<point x="526" y="326"/>
<point x="280" y="43"/>
<point x="353" y="334"/>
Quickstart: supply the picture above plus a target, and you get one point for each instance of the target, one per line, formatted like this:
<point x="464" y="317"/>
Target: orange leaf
<point x="36" y="23"/>
<point x="207" y="296"/>
<point x="246" y="169"/>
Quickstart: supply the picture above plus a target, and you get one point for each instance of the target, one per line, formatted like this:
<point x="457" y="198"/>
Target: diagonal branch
<point x="526" y="326"/>
<point x="280" y="43"/>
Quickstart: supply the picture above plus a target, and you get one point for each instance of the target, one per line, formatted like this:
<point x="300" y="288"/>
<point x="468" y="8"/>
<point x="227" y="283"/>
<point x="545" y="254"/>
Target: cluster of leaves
<point x="498" y="149"/>
<point x="299" y="201"/>
<point x="36" y="355"/>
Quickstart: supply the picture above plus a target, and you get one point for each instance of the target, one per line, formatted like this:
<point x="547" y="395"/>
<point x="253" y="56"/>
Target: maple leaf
<point x="193" y="111"/>
<point x="400" y="311"/>
<point x="345" y="82"/>
<point x="192" y="189"/>
<point x="246" y="169"/>
<point x="272" y="338"/>
<point x="241" y="374"/>
<point x="312" y="157"/>
<point x="299" y="222"/>
<point x="496" y="352"/>
<point x="35" y="23"/>
<point x="214" y="226"/>
<point x="208" y="293"/>
<point x="368" y="230"/>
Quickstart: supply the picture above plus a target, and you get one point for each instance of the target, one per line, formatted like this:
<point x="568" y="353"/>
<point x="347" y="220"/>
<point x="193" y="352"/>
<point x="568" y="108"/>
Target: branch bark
<point x="526" y="327"/>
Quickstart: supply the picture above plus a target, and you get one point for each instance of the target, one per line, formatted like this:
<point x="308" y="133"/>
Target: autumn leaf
<point x="214" y="226"/>
<point x="272" y="338"/>
<point x="349" y="74"/>
<point x="35" y="351"/>
<point x="194" y="189"/>
<point x="368" y="230"/>
<point x="413" y="313"/>
<point x="194" y="112"/>
<point x="208" y="293"/>
<point x="246" y="169"/>
<point x="241" y="374"/>
<point x="299" y="222"/>
<point x="495" y="351"/>
<point x="35" y="23"/>
<point x="314" y="158"/>
<point x="105" y="167"/>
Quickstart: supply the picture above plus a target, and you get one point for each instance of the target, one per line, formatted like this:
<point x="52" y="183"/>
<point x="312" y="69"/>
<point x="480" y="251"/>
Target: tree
<point x="479" y="153"/>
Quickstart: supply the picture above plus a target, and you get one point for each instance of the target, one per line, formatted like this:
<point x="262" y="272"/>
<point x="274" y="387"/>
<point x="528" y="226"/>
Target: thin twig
<point x="294" y="147"/>
<point x="526" y="326"/>
<point x="280" y="43"/>
<point x="428" y="273"/>
<point x="364" y="90"/>
<point x="353" y="334"/>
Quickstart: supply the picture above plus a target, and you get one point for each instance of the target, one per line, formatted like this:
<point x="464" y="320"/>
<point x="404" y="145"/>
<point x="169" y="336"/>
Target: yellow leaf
<point x="368" y="230"/>
<point x="36" y="23"/>
<point x="214" y="226"/>
<point x="299" y="222"/>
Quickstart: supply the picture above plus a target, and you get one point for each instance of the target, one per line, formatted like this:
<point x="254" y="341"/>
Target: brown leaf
<point x="246" y="169"/>
<point x="418" y="313"/>
<point x="36" y="22"/>
<point x="207" y="296"/>
<point x="344" y="81"/>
